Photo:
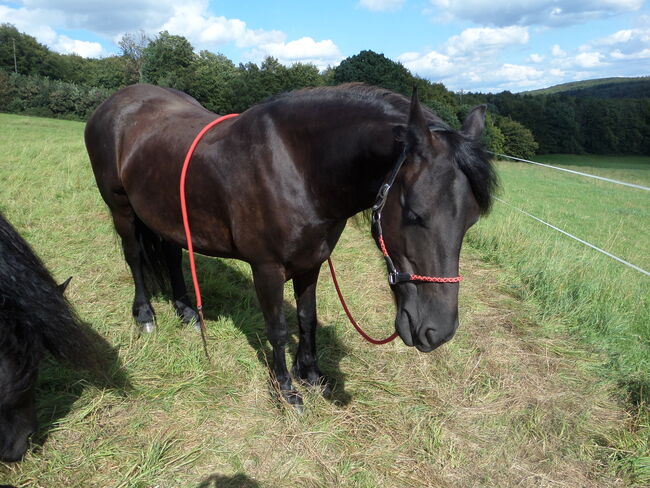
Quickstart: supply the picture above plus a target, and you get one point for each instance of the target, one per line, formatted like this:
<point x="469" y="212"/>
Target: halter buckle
<point x="395" y="277"/>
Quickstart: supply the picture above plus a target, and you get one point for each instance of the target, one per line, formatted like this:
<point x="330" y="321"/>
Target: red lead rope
<point x="186" y="222"/>
<point x="190" y="250"/>
<point x="347" y="312"/>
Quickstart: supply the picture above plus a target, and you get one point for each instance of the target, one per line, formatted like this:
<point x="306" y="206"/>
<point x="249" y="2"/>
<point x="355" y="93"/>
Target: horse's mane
<point x="469" y="155"/>
<point x="34" y="315"/>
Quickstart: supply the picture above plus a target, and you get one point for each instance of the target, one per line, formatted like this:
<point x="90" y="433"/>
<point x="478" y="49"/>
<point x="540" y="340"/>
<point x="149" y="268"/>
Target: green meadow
<point x="543" y="385"/>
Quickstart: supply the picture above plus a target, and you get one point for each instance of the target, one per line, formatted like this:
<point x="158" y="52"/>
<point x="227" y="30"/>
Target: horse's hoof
<point x="147" y="327"/>
<point x="186" y="313"/>
<point x="313" y="380"/>
<point x="193" y="325"/>
<point x="293" y="398"/>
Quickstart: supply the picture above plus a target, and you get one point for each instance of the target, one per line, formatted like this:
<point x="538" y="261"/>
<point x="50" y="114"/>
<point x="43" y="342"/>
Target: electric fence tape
<point x="637" y="268"/>
<point x="632" y="185"/>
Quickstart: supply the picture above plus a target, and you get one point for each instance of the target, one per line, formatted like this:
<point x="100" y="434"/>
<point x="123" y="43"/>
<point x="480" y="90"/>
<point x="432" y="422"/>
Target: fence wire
<point x="596" y="248"/>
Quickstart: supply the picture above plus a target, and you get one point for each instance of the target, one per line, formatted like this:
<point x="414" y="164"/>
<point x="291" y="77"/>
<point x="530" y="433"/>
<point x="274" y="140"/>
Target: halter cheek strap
<point x="394" y="276"/>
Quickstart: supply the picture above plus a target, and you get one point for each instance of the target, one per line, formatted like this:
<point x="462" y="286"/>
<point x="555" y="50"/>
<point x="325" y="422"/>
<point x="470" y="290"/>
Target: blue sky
<point x="471" y="45"/>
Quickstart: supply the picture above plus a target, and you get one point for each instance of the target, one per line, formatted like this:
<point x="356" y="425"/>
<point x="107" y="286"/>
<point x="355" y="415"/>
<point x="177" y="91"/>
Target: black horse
<point x="275" y="187"/>
<point x="34" y="317"/>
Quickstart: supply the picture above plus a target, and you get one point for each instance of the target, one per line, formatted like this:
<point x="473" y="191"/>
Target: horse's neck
<point x="369" y="161"/>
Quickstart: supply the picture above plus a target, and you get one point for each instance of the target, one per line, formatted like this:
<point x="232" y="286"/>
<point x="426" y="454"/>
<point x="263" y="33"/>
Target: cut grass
<point x="506" y="403"/>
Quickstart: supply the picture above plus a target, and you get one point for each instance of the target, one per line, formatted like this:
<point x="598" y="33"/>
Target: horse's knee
<point x="278" y="336"/>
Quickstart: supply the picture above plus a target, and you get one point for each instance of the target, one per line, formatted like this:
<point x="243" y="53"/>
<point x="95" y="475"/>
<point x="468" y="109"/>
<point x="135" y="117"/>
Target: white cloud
<point x="536" y="58"/>
<point x="623" y="45"/>
<point x="36" y="24"/>
<point x="540" y="12"/>
<point x="86" y="49"/>
<point x="431" y="64"/>
<point x="381" y="5"/>
<point x="588" y="60"/>
<point x="188" y="18"/>
<point x="304" y="50"/>
<point x="643" y="54"/>
<point x="517" y="73"/>
<point x="557" y="51"/>
<point x="485" y="39"/>
<point x="192" y="21"/>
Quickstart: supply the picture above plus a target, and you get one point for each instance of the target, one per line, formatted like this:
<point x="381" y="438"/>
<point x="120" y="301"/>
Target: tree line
<point x="35" y="80"/>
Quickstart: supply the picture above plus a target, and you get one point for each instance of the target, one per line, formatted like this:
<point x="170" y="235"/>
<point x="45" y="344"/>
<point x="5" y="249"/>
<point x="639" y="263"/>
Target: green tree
<point x="31" y="55"/>
<point x="110" y="72"/>
<point x="132" y="46"/>
<point x="493" y="138"/>
<point x="212" y="82"/>
<point x="519" y="141"/>
<point x="169" y="60"/>
<point x="374" y="69"/>
<point x="301" y="75"/>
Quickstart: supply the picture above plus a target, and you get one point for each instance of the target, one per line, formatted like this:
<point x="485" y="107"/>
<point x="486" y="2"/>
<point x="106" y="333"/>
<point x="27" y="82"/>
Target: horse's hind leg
<point x="305" y="367"/>
<point x="182" y="304"/>
<point x="269" y="285"/>
<point x="125" y="223"/>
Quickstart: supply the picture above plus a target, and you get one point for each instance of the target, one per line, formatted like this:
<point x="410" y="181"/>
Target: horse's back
<point x="137" y="110"/>
<point x="128" y="124"/>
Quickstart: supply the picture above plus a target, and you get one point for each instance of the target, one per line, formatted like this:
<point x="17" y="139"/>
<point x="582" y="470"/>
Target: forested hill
<point x="34" y="80"/>
<point x="600" y="88"/>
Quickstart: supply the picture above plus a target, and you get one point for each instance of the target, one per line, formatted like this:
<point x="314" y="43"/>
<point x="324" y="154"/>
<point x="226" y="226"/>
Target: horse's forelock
<point x="472" y="159"/>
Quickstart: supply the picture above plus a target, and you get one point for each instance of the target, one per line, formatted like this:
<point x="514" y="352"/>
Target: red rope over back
<point x="186" y="222"/>
<point x="352" y="321"/>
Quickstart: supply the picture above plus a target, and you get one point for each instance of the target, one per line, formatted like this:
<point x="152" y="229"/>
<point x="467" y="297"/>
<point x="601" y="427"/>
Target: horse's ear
<point x="418" y="129"/>
<point x="475" y="122"/>
<point x="62" y="287"/>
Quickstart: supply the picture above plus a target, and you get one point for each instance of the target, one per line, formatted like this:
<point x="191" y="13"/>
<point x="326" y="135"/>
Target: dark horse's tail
<point x="34" y="315"/>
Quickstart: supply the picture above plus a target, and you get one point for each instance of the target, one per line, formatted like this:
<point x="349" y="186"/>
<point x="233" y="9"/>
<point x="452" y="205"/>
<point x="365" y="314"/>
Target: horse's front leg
<point x="269" y="285"/>
<point x="306" y="365"/>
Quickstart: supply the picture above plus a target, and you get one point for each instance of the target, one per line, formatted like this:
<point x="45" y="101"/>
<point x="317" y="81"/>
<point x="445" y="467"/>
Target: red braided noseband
<point x="414" y="277"/>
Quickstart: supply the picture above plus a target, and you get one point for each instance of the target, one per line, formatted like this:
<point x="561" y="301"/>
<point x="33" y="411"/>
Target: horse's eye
<point x="411" y="218"/>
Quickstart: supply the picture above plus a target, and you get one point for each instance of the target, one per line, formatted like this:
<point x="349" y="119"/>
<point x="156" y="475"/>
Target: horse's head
<point x="17" y="409"/>
<point x="439" y="192"/>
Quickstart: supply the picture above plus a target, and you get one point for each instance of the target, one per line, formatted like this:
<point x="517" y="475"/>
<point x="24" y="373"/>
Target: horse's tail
<point x="154" y="265"/>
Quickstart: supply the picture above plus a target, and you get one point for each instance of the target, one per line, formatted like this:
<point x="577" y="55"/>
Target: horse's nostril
<point x="431" y="337"/>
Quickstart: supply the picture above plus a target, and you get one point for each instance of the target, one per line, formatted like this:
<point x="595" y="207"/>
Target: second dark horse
<point x="275" y="186"/>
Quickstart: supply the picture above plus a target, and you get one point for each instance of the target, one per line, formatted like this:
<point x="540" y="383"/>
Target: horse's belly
<point x="158" y="207"/>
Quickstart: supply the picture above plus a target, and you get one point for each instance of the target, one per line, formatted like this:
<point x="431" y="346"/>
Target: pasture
<point x="515" y="399"/>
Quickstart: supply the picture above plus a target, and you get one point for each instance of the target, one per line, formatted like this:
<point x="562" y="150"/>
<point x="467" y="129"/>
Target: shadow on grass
<point x="637" y="390"/>
<point x="60" y="385"/>
<point x="238" y="481"/>
<point x="227" y="292"/>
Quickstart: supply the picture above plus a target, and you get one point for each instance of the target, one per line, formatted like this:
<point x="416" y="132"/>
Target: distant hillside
<point x="601" y="88"/>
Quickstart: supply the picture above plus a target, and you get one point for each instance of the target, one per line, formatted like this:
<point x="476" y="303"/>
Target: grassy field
<point x="600" y="300"/>
<point x="631" y="169"/>
<point x="514" y="400"/>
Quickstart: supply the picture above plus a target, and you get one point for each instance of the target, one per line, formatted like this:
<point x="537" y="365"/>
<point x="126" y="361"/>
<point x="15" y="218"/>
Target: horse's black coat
<point x="275" y="187"/>
<point x="34" y="317"/>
